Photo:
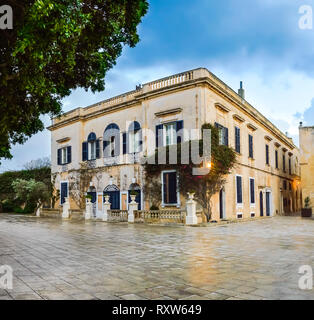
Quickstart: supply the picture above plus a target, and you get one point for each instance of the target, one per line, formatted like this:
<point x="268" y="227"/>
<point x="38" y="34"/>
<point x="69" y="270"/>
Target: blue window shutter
<point x="141" y="141"/>
<point x="252" y="191"/>
<point x="159" y="135"/>
<point x="239" y="189"/>
<point x="226" y="142"/>
<point x="124" y="142"/>
<point x="59" y="156"/>
<point x="179" y="126"/>
<point x="69" y="154"/>
<point x="97" y="149"/>
<point x="84" y="151"/>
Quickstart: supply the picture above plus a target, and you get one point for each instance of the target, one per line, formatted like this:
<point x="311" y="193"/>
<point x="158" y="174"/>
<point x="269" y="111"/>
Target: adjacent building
<point x="306" y="136"/>
<point x="111" y="137"/>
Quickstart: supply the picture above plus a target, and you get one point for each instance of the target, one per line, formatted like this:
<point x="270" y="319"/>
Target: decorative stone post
<point x="88" y="210"/>
<point x="132" y="207"/>
<point x="38" y="211"/>
<point x="65" y="209"/>
<point x="106" y="207"/>
<point x="191" y="217"/>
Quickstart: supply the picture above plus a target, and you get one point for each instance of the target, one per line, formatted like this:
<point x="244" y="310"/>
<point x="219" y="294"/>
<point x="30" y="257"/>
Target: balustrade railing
<point x="117" y="215"/>
<point x="159" y="215"/>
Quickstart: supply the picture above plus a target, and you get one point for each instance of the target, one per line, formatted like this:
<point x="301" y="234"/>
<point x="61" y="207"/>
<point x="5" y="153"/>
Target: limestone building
<point x="110" y="137"/>
<point x="306" y="136"/>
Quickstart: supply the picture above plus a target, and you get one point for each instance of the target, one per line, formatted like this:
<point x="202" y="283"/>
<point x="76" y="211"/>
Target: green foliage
<point x="88" y="196"/>
<point x="33" y="193"/>
<point x="307" y="202"/>
<point x="54" y="47"/>
<point x="205" y="186"/>
<point x="8" y="198"/>
<point x="154" y="208"/>
<point x="134" y="193"/>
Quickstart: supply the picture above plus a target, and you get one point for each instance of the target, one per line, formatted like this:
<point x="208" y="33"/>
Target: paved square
<point x="94" y="260"/>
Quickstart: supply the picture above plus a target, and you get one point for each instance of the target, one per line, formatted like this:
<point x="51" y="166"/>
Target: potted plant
<point x="133" y="194"/>
<point x="88" y="198"/>
<point x="306" y="212"/>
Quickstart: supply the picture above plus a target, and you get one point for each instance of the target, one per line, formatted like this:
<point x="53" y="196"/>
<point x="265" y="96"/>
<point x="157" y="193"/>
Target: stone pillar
<point x="191" y="217"/>
<point x="132" y="207"/>
<point x="88" y="210"/>
<point x="65" y="209"/>
<point x="106" y="207"/>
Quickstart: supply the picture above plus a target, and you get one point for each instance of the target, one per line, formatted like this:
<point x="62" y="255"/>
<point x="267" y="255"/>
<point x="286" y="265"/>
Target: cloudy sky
<point x="256" y="41"/>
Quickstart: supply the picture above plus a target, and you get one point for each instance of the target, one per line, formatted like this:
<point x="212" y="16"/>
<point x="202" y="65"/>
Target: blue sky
<point x="256" y="41"/>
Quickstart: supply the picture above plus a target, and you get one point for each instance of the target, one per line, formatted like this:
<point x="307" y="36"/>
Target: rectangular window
<point x="290" y="166"/>
<point x="237" y="140"/>
<point x="276" y="158"/>
<point x="290" y="186"/>
<point x="252" y="191"/>
<point x="251" y="146"/>
<point x="284" y="163"/>
<point x="170" y="188"/>
<point x="239" y="189"/>
<point x="267" y="154"/>
<point x="223" y="134"/>
<point x="170" y="134"/>
<point x="64" y="155"/>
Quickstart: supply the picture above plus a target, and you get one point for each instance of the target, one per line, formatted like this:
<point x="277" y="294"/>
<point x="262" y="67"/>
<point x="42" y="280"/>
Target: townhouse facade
<point x="306" y="136"/>
<point x="111" y="137"/>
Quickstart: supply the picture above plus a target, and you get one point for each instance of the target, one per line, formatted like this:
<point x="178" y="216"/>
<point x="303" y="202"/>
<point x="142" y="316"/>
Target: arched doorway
<point x="222" y="204"/>
<point x="261" y="204"/>
<point x="114" y="193"/>
<point x="138" y="198"/>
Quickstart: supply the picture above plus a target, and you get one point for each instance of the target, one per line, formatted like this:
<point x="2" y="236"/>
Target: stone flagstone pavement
<point x="54" y="259"/>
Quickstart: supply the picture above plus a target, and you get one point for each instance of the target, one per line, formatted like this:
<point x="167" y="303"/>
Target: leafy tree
<point x="32" y="192"/>
<point x="205" y="186"/>
<point x="56" y="46"/>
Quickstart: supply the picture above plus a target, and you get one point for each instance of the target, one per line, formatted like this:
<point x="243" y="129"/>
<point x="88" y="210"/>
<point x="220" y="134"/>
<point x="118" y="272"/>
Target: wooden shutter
<point x="226" y="137"/>
<point x="97" y="149"/>
<point x="59" y="155"/>
<point x="252" y="190"/>
<point x="124" y="143"/>
<point x="159" y="135"/>
<point x="239" y="189"/>
<point x="179" y="126"/>
<point x="84" y="151"/>
<point x="69" y="154"/>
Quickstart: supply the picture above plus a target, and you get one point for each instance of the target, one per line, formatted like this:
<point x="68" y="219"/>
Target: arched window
<point x="135" y="137"/>
<point x="90" y="148"/>
<point x="111" y="141"/>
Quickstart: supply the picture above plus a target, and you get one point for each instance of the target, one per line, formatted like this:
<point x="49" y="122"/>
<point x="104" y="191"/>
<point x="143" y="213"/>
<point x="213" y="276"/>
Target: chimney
<point x="301" y="124"/>
<point x="241" y="91"/>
